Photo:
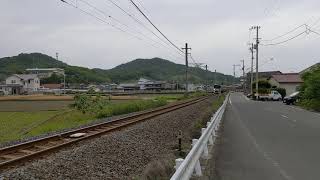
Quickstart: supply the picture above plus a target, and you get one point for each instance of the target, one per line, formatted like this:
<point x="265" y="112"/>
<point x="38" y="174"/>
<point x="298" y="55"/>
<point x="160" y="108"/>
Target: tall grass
<point x="129" y="107"/>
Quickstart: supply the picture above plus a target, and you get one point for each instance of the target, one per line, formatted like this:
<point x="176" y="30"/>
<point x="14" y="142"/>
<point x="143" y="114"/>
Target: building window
<point x="29" y="81"/>
<point x="13" y="81"/>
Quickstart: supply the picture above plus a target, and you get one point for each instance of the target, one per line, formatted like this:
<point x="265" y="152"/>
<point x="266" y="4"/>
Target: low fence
<point x="189" y="166"/>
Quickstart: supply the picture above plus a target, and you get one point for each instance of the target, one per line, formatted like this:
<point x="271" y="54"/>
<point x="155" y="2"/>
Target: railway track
<point x="12" y="155"/>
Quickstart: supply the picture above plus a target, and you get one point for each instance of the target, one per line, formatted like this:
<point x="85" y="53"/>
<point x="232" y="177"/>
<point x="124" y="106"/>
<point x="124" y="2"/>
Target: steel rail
<point x="12" y="155"/>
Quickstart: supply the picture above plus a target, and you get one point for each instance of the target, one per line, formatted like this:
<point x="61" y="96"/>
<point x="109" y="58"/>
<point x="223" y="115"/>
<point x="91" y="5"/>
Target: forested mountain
<point x="156" y="69"/>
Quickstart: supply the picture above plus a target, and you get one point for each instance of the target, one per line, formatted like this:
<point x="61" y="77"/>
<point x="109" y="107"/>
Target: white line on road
<point x="230" y="101"/>
<point x="284" y="116"/>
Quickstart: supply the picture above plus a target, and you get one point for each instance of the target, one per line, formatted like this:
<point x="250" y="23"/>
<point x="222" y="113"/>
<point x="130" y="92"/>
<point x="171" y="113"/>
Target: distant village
<point x="30" y="83"/>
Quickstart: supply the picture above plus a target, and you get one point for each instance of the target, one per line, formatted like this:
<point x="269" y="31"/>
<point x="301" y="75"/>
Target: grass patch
<point x="310" y="104"/>
<point x="63" y="121"/>
<point x="76" y="118"/>
<point x="12" y="124"/>
<point x="202" y="121"/>
<point x="129" y="107"/>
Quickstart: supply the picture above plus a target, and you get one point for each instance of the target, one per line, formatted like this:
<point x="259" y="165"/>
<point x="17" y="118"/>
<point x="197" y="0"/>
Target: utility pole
<point x="252" y="58"/>
<point x="234" y="72"/>
<point x="64" y="76"/>
<point x="206" y="78"/>
<point x="215" y="76"/>
<point x="243" y="77"/>
<point x="187" y="65"/>
<point x="257" y="59"/>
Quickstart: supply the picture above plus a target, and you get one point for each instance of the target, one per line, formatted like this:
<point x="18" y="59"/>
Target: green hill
<point x="156" y="68"/>
<point x="160" y="69"/>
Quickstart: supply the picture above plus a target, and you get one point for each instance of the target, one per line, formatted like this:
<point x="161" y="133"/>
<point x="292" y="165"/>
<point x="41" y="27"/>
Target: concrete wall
<point x="290" y="87"/>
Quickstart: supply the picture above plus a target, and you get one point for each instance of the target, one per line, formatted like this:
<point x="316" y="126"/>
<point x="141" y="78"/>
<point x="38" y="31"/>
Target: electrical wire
<point x="283" y="35"/>
<point x="315" y="32"/>
<point x="105" y="22"/>
<point x="138" y="21"/>
<point x="281" y="42"/>
<point x="144" y="15"/>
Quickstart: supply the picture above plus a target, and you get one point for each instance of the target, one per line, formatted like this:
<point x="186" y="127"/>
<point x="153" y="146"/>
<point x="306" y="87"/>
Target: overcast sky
<point x="217" y="31"/>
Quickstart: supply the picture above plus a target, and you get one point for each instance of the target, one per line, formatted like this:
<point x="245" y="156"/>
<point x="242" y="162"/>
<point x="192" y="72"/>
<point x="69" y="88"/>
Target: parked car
<point x="249" y="95"/>
<point x="292" y="98"/>
<point x="272" y="96"/>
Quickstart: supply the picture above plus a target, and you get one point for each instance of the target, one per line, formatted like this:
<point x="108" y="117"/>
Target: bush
<point x="86" y="103"/>
<point x="310" y="90"/>
<point x="263" y="91"/>
<point x="313" y="104"/>
<point x="263" y="84"/>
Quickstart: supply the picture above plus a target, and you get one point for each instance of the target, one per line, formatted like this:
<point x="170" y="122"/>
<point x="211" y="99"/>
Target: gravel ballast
<point x="122" y="154"/>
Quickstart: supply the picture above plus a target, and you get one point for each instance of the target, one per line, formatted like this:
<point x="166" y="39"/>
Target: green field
<point x="33" y="118"/>
<point x="13" y="125"/>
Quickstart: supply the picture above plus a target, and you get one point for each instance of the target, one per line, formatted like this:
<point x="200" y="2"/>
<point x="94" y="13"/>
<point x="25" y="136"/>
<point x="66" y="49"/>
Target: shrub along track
<point x="118" y="155"/>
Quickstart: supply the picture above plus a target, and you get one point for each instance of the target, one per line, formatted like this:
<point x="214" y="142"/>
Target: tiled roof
<point x="26" y="76"/>
<point x="52" y="86"/>
<point x="288" y="78"/>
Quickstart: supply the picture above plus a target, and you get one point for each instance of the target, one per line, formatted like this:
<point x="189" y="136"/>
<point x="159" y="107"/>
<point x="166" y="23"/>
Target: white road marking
<point x="296" y="108"/>
<point x="284" y="116"/>
<point x="230" y="101"/>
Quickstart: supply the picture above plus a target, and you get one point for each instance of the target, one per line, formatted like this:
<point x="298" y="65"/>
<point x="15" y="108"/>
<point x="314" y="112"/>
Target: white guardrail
<point x="189" y="166"/>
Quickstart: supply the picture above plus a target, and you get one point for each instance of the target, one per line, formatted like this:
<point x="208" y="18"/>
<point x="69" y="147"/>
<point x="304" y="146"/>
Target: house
<point x="46" y="72"/>
<point x="11" y="89"/>
<point x="289" y="81"/>
<point x="146" y="84"/>
<point x="128" y="87"/>
<point x="262" y="75"/>
<point x="21" y="83"/>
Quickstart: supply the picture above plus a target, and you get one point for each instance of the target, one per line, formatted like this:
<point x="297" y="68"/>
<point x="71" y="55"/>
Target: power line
<point x="139" y="22"/>
<point x="100" y="19"/>
<point x="105" y="22"/>
<point x="156" y="27"/>
<point x="315" y="32"/>
<point x="281" y="42"/>
<point x="283" y="35"/>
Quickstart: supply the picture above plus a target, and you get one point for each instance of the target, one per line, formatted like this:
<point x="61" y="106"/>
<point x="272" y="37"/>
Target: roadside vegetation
<point x="84" y="110"/>
<point x="310" y="90"/>
<point x="202" y="121"/>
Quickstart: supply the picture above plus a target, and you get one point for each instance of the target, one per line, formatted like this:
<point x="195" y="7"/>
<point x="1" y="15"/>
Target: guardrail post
<point x="205" y="153"/>
<point x="197" y="168"/>
<point x="210" y="137"/>
<point x="178" y="163"/>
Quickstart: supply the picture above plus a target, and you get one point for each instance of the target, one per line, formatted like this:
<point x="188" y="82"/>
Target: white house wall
<point x="14" y="78"/>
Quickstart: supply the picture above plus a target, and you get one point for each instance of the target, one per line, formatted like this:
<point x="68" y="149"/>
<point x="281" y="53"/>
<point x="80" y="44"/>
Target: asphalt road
<point x="268" y="141"/>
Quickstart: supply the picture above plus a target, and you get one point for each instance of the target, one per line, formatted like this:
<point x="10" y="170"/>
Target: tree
<point x="310" y="90"/>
